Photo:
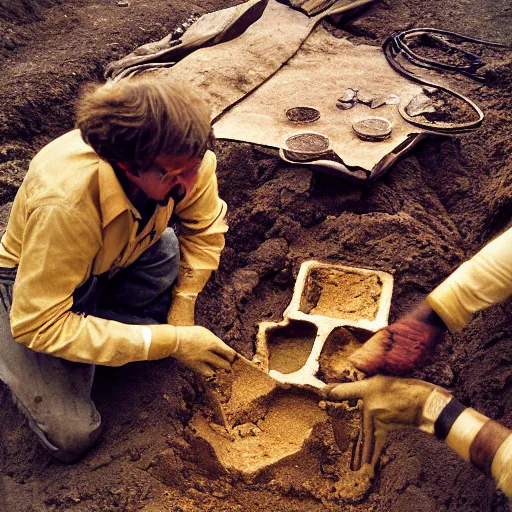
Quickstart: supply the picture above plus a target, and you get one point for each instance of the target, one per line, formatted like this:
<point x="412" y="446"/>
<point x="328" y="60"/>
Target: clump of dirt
<point x="20" y="11"/>
<point x="241" y="394"/>
<point x="333" y="364"/>
<point x="341" y="294"/>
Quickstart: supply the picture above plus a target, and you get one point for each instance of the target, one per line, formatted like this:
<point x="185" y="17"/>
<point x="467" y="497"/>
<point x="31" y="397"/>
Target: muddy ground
<point x="433" y="210"/>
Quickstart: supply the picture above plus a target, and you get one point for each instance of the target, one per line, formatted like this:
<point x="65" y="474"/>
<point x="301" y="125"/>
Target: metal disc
<point x="310" y="143"/>
<point x="303" y="114"/>
<point x="373" y="128"/>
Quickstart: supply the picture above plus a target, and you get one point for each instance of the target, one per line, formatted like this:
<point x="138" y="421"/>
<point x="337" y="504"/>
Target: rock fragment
<point x="420" y="104"/>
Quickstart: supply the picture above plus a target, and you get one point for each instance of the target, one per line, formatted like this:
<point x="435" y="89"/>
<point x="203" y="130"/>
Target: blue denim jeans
<point x="55" y="394"/>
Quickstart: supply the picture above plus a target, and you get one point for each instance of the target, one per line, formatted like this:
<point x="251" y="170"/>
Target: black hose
<point x="396" y="44"/>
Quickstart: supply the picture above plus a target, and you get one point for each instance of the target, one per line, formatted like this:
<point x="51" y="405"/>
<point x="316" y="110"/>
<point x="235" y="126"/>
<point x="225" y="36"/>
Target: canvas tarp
<point x="317" y="76"/>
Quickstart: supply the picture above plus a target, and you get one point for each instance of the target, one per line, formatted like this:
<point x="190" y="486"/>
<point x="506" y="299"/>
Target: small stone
<point x="393" y="99"/>
<point x="8" y="44"/>
<point x="420" y="104"/>
<point x="347" y="99"/>
<point x="344" y="105"/>
<point x="365" y="97"/>
<point x="385" y="100"/>
<point x="177" y="34"/>
<point x="348" y="95"/>
<point x="123" y="3"/>
<point x="247" y="430"/>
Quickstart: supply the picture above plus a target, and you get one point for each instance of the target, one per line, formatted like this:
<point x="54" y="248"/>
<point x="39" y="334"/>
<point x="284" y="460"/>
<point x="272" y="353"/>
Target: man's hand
<point x="389" y="403"/>
<point x="202" y="351"/>
<point x="182" y="309"/>
<point x="402" y="347"/>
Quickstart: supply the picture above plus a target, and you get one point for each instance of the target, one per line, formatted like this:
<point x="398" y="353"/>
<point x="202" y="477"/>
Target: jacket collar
<point x="113" y="199"/>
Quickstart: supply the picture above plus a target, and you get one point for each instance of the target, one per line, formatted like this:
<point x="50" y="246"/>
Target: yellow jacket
<point x="72" y="218"/>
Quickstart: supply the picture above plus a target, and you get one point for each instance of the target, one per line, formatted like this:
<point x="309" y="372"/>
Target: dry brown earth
<point x="433" y="210"/>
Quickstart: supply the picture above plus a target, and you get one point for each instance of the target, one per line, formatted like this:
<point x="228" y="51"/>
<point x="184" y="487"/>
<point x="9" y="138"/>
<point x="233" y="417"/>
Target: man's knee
<point x="170" y="242"/>
<point x="165" y="259"/>
<point x="169" y="248"/>
<point x="71" y="439"/>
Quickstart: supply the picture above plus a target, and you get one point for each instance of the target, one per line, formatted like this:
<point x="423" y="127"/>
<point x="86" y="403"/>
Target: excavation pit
<point x="268" y="432"/>
<point x="263" y="416"/>
<point x="248" y="449"/>
<point x="338" y="293"/>
<point x="333" y="362"/>
<point x="289" y="347"/>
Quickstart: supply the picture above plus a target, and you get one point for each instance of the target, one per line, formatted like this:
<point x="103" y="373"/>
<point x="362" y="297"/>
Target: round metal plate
<point x="309" y="143"/>
<point x="303" y="114"/>
<point x="373" y="128"/>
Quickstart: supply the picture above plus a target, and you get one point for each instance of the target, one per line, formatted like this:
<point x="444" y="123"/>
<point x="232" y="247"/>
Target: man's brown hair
<point x="137" y="119"/>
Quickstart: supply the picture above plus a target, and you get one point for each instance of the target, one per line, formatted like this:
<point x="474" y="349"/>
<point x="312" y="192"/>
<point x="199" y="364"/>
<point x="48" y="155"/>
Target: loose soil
<point x="250" y="448"/>
<point x="434" y="209"/>
<point x="341" y="294"/>
<point x="290" y="347"/>
<point x="333" y="364"/>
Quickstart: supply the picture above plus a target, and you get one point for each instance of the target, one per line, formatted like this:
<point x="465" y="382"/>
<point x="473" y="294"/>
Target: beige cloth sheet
<point x="226" y="72"/>
<point x="317" y="76"/>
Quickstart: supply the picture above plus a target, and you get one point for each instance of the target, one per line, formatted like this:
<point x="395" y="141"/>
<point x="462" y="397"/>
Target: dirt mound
<point x="433" y="210"/>
<point x="23" y="11"/>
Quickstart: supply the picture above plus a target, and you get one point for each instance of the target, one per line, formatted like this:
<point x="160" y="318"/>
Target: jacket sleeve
<point x="201" y="220"/>
<point x="480" y="282"/>
<point x="501" y="468"/>
<point x="58" y="251"/>
<point x="476" y="438"/>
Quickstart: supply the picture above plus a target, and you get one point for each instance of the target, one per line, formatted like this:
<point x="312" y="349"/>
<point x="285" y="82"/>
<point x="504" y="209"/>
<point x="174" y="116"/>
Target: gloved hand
<point x="390" y="403"/>
<point x="182" y="309"/>
<point x="202" y="351"/>
<point x="403" y="346"/>
<point x="190" y="283"/>
<point x="195" y="346"/>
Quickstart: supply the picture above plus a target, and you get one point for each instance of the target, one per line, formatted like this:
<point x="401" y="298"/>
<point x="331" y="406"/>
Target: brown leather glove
<point x="403" y="346"/>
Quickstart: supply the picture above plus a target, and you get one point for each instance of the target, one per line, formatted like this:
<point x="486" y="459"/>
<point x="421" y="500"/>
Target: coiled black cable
<point x="396" y="45"/>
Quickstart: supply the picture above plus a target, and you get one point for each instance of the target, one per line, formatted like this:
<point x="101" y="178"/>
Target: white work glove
<point x="182" y="309"/>
<point x="389" y="403"/>
<point x="202" y="351"/>
<point x="195" y="346"/>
